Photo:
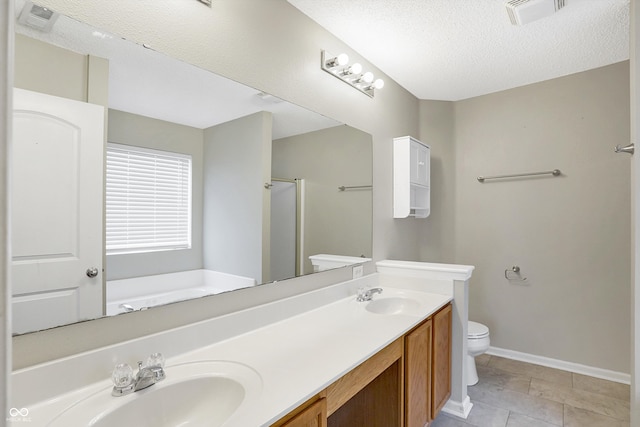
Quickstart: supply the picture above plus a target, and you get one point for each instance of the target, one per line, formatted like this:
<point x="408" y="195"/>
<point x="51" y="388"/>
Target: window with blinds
<point x="148" y="203"/>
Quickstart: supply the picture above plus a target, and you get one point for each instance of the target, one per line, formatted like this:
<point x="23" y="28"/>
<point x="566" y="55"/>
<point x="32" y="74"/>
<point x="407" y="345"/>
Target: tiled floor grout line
<point x="508" y="416"/>
<point x="513" y="377"/>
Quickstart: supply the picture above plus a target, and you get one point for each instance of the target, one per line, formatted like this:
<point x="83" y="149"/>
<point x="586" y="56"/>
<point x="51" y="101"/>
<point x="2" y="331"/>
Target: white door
<point x="56" y="207"/>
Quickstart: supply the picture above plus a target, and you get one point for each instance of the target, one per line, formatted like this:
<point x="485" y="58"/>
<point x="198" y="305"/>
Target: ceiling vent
<point x="522" y="12"/>
<point x="37" y="17"/>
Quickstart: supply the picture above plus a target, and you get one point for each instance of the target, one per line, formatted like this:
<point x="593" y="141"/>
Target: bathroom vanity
<point x="313" y="359"/>
<point x="405" y="384"/>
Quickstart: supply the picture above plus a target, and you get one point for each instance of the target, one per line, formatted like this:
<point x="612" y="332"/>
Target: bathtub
<point x="143" y="292"/>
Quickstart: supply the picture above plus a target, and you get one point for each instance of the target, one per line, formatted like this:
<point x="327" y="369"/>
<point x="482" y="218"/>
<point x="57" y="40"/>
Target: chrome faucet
<point x="366" y="295"/>
<point x="124" y="382"/>
<point x="148" y="376"/>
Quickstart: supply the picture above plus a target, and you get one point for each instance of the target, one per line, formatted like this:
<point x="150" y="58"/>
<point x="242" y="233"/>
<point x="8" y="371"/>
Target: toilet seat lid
<point x="477" y="330"/>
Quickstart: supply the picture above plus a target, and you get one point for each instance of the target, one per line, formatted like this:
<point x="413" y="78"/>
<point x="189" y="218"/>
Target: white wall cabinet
<point x="411" y="178"/>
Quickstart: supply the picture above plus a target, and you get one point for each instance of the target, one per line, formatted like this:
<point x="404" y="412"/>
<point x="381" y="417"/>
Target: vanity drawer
<point x="313" y="413"/>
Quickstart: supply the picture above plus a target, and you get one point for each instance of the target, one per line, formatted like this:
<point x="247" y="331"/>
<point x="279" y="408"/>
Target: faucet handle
<point x="122" y="377"/>
<point x="155" y="362"/>
<point x="362" y="291"/>
<point x="155" y="359"/>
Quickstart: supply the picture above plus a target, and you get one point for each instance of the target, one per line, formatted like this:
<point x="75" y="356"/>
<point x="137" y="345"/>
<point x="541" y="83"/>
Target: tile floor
<point x="518" y="394"/>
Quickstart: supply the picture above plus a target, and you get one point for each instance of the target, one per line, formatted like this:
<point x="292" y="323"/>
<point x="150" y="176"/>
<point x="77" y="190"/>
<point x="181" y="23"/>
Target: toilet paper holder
<point x="509" y="274"/>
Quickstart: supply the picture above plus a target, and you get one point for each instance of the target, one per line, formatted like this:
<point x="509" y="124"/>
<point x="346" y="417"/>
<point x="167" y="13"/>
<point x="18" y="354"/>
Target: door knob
<point x="626" y="149"/>
<point x="92" y="272"/>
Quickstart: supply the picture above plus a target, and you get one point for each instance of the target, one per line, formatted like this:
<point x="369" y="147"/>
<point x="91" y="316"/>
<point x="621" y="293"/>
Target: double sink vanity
<point x="316" y="358"/>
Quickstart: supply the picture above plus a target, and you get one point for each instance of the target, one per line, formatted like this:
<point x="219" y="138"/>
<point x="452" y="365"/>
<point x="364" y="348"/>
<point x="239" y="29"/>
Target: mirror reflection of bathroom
<point x="245" y="187"/>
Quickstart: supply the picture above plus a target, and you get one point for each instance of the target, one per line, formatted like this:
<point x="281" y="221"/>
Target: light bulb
<point x="367" y="77"/>
<point x="354" y="69"/>
<point x="378" y="84"/>
<point x="339" y="60"/>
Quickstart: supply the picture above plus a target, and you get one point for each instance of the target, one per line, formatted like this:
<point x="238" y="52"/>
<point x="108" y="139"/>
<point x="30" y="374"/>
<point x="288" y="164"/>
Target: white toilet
<point x="477" y="343"/>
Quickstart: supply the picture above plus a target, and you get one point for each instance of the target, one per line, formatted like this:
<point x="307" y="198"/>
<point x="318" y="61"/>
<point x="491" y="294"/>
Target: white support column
<point x="459" y="403"/>
<point x="446" y="279"/>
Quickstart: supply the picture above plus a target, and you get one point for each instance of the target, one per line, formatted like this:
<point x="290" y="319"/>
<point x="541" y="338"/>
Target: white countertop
<point x="295" y="357"/>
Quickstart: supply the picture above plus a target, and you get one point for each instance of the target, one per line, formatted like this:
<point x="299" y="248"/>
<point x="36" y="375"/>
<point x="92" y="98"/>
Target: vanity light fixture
<point x="337" y="66"/>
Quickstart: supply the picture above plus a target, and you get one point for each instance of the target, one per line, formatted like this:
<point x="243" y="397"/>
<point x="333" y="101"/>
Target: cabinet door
<point x="419" y="163"/>
<point x="441" y="369"/>
<point x="418" y="375"/>
<point x="313" y="416"/>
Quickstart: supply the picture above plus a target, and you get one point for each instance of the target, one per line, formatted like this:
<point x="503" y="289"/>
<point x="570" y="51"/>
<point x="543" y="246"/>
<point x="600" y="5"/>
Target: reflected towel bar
<point x="343" y="188"/>
<point x="555" y="172"/>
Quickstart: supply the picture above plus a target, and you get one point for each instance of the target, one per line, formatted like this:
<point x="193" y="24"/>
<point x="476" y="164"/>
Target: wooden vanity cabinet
<point x="417" y="375"/>
<point x="441" y="363"/>
<point x="427" y="374"/>
<point x="405" y="384"/>
<point x="312" y="414"/>
<point x="371" y="394"/>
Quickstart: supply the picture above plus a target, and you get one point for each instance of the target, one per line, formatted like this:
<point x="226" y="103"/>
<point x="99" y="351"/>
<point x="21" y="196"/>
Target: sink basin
<point x="402" y="302"/>
<point x="393" y="305"/>
<point x="199" y="393"/>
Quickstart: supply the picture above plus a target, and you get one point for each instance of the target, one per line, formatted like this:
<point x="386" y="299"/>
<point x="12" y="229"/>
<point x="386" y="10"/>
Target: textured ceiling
<point x="458" y="49"/>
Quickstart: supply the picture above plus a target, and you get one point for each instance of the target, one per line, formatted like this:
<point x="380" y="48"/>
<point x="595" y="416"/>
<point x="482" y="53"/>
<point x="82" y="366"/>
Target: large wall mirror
<point x="186" y="184"/>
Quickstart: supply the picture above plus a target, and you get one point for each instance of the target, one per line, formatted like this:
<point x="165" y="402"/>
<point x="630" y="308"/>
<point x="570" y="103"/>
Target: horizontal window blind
<point x="148" y="200"/>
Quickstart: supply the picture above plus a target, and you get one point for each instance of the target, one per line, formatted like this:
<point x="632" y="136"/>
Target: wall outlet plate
<point x="358" y="271"/>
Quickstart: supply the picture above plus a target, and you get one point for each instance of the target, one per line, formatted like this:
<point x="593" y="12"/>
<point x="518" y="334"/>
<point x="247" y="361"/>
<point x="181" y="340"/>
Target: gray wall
<point x="436" y="232"/>
<point x="140" y="131"/>
<point x="45" y="68"/>
<point x="335" y="222"/>
<point x="237" y="158"/>
<point x="570" y="234"/>
<point x="48" y="69"/>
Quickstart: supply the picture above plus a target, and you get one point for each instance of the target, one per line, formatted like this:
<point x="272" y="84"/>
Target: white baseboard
<point x="459" y="409"/>
<point x="577" y="368"/>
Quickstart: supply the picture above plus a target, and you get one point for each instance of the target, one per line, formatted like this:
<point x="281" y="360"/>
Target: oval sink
<point x="393" y="305"/>
<point x="199" y="393"/>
